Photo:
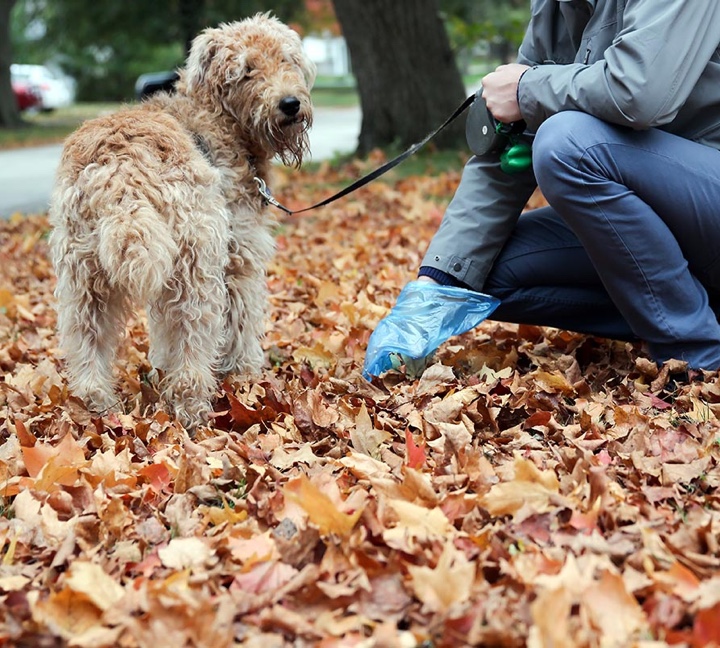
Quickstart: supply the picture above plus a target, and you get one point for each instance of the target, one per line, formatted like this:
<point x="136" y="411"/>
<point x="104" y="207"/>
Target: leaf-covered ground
<point x="533" y="488"/>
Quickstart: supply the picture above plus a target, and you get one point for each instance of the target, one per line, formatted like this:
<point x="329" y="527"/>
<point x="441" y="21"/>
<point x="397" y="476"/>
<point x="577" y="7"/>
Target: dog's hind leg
<point x="187" y="330"/>
<point x="91" y="322"/>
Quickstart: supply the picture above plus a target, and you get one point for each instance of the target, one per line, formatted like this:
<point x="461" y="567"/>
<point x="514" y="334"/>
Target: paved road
<point x="26" y="175"/>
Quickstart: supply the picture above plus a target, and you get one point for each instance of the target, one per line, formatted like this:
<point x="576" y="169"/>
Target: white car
<point x="56" y="90"/>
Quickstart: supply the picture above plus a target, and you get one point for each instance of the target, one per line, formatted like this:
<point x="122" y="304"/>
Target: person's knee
<point x="560" y="144"/>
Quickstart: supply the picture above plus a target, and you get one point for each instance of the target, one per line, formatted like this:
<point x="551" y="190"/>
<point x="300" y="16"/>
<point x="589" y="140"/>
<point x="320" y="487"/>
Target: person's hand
<point x="500" y="92"/>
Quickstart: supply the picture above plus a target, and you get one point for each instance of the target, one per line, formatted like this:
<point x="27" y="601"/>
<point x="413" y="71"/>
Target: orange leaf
<point x="68" y="612"/>
<point x="54" y="465"/>
<point x="25" y="437"/>
<point x="706" y="630"/>
<point x="35" y="457"/>
<point x="414" y="454"/>
<point x="157" y="475"/>
<point x="678" y="580"/>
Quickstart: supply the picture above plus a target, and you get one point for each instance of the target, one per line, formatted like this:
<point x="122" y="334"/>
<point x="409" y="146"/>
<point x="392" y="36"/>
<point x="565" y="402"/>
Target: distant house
<point x="329" y="53"/>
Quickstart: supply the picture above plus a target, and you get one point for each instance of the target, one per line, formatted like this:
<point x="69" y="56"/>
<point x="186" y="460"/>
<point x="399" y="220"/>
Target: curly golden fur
<point x="156" y="205"/>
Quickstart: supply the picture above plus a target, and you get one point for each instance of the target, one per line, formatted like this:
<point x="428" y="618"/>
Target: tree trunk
<point x="407" y="77"/>
<point x="190" y="20"/>
<point x="9" y="113"/>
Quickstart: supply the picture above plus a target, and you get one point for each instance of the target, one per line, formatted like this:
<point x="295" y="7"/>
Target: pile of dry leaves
<point x="533" y="488"/>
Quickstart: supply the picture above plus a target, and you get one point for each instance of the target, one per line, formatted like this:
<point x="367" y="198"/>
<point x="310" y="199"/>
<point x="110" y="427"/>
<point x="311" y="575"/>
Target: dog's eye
<point x="251" y="71"/>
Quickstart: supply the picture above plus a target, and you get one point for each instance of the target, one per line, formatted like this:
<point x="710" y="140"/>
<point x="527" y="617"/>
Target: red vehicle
<point x="26" y="96"/>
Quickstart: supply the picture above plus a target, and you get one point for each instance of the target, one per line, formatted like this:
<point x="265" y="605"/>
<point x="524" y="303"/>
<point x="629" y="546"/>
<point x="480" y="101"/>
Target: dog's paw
<point x="193" y="414"/>
<point x="100" y="402"/>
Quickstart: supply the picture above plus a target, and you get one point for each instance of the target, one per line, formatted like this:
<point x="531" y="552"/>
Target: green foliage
<point x="6" y="508"/>
<point x="497" y="26"/>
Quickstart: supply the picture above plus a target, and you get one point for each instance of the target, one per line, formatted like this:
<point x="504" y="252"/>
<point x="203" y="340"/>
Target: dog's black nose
<point x="290" y="106"/>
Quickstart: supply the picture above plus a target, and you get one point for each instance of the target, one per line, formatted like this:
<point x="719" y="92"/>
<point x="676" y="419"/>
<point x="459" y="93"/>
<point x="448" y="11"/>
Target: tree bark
<point x="190" y="20"/>
<point x="9" y="113"/>
<point x="407" y="76"/>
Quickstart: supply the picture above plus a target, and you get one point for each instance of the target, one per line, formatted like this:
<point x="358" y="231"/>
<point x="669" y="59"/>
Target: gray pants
<point x="630" y="247"/>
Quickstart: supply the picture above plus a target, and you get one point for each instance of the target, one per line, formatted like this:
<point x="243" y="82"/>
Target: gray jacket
<point x="638" y="63"/>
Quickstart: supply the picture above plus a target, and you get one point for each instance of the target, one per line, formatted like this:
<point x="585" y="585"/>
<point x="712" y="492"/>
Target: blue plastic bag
<point x="424" y="316"/>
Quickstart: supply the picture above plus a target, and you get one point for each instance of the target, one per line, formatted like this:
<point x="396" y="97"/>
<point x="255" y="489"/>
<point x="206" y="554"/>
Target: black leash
<point x="265" y="192"/>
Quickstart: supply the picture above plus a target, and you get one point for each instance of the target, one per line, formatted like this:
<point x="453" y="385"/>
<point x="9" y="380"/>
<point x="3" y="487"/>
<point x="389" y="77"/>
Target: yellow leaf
<point x="220" y="514"/>
<point x="91" y="580"/>
<point x="68" y="613"/>
<point x="7" y="303"/>
<point x="530" y="487"/>
<point x="316" y="355"/>
<point x="553" y="382"/>
<point x="321" y="510"/>
<point x="415" y="524"/>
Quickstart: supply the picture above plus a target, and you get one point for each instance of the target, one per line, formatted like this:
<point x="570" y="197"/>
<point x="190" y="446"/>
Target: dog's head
<point x="256" y="71"/>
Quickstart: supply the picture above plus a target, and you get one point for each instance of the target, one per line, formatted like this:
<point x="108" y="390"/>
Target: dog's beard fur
<point x="290" y="140"/>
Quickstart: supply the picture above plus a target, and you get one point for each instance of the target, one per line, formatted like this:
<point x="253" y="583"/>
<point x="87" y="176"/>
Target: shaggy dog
<point x="158" y="205"/>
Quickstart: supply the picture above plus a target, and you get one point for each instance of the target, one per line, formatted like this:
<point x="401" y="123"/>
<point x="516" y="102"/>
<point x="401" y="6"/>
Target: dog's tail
<point x="136" y="249"/>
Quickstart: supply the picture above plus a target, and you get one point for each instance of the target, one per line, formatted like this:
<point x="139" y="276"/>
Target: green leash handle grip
<point x="516" y="158"/>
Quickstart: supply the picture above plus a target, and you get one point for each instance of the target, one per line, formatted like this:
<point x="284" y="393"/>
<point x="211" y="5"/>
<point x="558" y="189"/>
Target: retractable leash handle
<point x="486" y="135"/>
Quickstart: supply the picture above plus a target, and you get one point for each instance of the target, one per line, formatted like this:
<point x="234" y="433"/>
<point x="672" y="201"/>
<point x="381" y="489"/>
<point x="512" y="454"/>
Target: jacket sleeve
<point x="645" y="75"/>
<point x="479" y="219"/>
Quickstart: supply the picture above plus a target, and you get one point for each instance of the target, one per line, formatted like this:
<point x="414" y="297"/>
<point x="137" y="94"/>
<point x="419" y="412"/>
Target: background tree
<point x="9" y="113"/>
<point x="405" y="69"/>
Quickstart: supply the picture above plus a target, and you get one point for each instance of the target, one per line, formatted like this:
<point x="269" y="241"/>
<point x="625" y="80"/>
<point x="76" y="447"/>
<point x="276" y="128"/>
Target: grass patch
<point x="335" y="97"/>
<point x="51" y="128"/>
<point x="428" y="162"/>
<point x="425" y="163"/>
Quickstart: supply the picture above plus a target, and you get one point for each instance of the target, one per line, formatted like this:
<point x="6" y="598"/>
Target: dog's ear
<point x="306" y="66"/>
<point x="309" y="70"/>
<point x="202" y="52"/>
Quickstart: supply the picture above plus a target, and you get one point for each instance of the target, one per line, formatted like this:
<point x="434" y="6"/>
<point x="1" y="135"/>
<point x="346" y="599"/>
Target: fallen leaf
<point x="321" y="511"/>
<point x="91" y="580"/>
<point x="186" y="553"/>
<point x="446" y="585"/>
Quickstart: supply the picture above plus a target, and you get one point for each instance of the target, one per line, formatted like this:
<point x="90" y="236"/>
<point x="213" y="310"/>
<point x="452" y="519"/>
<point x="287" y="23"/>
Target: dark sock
<point x="441" y="277"/>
